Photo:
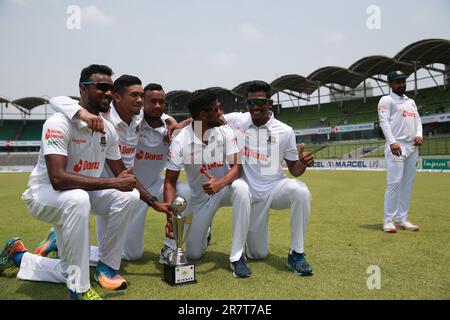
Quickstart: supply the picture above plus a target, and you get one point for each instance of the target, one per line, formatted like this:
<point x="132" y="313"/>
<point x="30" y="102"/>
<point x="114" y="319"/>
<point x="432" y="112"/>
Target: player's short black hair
<point x="153" y="87"/>
<point x="258" y="85"/>
<point x="87" y="72"/>
<point x="201" y="100"/>
<point x="125" y="81"/>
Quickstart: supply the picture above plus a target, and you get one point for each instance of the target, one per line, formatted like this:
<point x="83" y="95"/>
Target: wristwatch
<point x="152" y="201"/>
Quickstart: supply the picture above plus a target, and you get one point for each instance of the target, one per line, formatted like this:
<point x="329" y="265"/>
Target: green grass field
<point x="344" y="238"/>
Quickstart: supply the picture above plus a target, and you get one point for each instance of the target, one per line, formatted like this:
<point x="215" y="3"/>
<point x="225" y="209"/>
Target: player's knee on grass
<point x="193" y="253"/>
<point x="256" y="253"/>
<point x="133" y="256"/>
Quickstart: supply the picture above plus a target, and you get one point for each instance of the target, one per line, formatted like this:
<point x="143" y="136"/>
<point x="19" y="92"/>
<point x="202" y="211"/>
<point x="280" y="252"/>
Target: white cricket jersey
<point x="128" y="134"/>
<point x="399" y="119"/>
<point x="85" y="150"/>
<point x="189" y="152"/>
<point x="263" y="150"/>
<point x="151" y="152"/>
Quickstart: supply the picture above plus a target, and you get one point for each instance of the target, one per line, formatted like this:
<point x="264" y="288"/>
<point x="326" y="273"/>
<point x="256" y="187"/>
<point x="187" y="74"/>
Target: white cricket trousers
<point x="288" y="193"/>
<point x="237" y="195"/>
<point x="68" y="212"/>
<point x="401" y="173"/>
<point x="134" y="243"/>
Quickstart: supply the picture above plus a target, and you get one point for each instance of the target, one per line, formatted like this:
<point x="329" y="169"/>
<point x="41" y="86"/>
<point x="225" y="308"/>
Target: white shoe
<point x="406" y="225"/>
<point x="166" y="255"/>
<point x="388" y="226"/>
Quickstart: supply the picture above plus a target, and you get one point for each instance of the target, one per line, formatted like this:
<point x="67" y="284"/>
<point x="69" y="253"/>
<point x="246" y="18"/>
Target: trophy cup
<point x="179" y="271"/>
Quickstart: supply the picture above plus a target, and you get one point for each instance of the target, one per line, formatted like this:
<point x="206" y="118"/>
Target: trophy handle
<point x="188" y="220"/>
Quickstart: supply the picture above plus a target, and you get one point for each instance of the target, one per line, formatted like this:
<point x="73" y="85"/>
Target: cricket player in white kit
<point x="264" y="143"/>
<point x="209" y="154"/>
<point x="126" y="116"/>
<point x="150" y="161"/>
<point x="402" y="128"/>
<point x="65" y="186"/>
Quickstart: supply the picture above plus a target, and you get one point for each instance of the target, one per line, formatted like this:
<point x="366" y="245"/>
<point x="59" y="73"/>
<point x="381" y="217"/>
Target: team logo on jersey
<point x="271" y="140"/>
<point x="102" y="141"/>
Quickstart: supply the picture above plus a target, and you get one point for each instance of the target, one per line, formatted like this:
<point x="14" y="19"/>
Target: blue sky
<point x="197" y="44"/>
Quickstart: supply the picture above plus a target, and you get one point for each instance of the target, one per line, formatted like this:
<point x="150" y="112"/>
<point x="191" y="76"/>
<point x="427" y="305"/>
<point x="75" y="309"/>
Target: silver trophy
<point x="179" y="271"/>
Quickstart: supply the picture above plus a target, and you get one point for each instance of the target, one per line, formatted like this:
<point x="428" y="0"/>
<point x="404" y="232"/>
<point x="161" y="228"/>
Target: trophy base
<point x="179" y="275"/>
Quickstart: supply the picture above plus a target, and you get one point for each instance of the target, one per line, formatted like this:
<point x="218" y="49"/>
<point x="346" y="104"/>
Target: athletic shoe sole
<point x="304" y="274"/>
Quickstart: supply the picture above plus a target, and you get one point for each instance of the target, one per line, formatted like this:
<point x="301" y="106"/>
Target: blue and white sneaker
<point x="298" y="263"/>
<point x="240" y="269"/>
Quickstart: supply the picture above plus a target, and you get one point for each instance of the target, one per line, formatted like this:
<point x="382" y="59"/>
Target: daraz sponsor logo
<point x="86" y="165"/>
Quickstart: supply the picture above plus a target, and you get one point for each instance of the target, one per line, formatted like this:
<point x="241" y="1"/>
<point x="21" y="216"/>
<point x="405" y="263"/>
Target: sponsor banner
<point x="350" y="164"/>
<point x="16" y="168"/>
<point x="11" y="143"/>
<point x="336" y="129"/>
<point x="436" y="163"/>
<point x="444" y="117"/>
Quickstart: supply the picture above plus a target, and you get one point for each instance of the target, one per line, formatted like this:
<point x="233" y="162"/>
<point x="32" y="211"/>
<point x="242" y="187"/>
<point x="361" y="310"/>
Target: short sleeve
<point x="56" y="136"/>
<point x="66" y="105"/>
<point x="113" y="151"/>
<point x="290" y="151"/>
<point x="175" y="156"/>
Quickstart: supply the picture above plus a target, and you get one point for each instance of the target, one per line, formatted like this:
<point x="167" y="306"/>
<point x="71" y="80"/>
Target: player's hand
<point x="306" y="158"/>
<point x="169" y="230"/>
<point x="95" y="123"/>
<point x="396" y="149"/>
<point x="212" y="186"/>
<point x="163" y="207"/>
<point x="418" y="141"/>
<point x="126" y="181"/>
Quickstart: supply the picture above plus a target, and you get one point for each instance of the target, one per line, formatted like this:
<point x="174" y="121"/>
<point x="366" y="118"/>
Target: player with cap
<point x="402" y="129"/>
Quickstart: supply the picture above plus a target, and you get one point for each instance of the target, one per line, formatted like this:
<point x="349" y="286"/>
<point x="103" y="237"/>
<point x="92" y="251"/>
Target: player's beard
<point x="400" y="91"/>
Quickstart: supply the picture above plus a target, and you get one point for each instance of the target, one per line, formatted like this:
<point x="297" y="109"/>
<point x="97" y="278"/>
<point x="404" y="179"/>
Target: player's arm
<point x="170" y="185"/>
<point x="72" y="110"/>
<point x="297" y="160"/>
<point x="63" y="180"/>
<point x="418" y="139"/>
<point x="214" y="185"/>
<point x="170" y="190"/>
<point x="176" y="126"/>
<point x="117" y="167"/>
<point x="384" y="113"/>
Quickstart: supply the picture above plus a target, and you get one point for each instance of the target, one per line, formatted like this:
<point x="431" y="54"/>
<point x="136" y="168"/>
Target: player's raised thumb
<point x="302" y="149"/>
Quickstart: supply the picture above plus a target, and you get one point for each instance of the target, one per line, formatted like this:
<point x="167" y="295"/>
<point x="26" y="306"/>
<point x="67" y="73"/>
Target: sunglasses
<point x="102" y="86"/>
<point x="257" y="101"/>
<point x="155" y="101"/>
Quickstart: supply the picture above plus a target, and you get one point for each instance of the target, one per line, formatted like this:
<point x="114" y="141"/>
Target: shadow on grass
<point x="276" y="262"/>
<point x="377" y="227"/>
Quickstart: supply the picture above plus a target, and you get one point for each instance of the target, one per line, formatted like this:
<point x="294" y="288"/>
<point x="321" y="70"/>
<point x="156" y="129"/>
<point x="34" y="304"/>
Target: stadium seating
<point x="10" y="129"/>
<point x="32" y="130"/>
<point x="429" y="101"/>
